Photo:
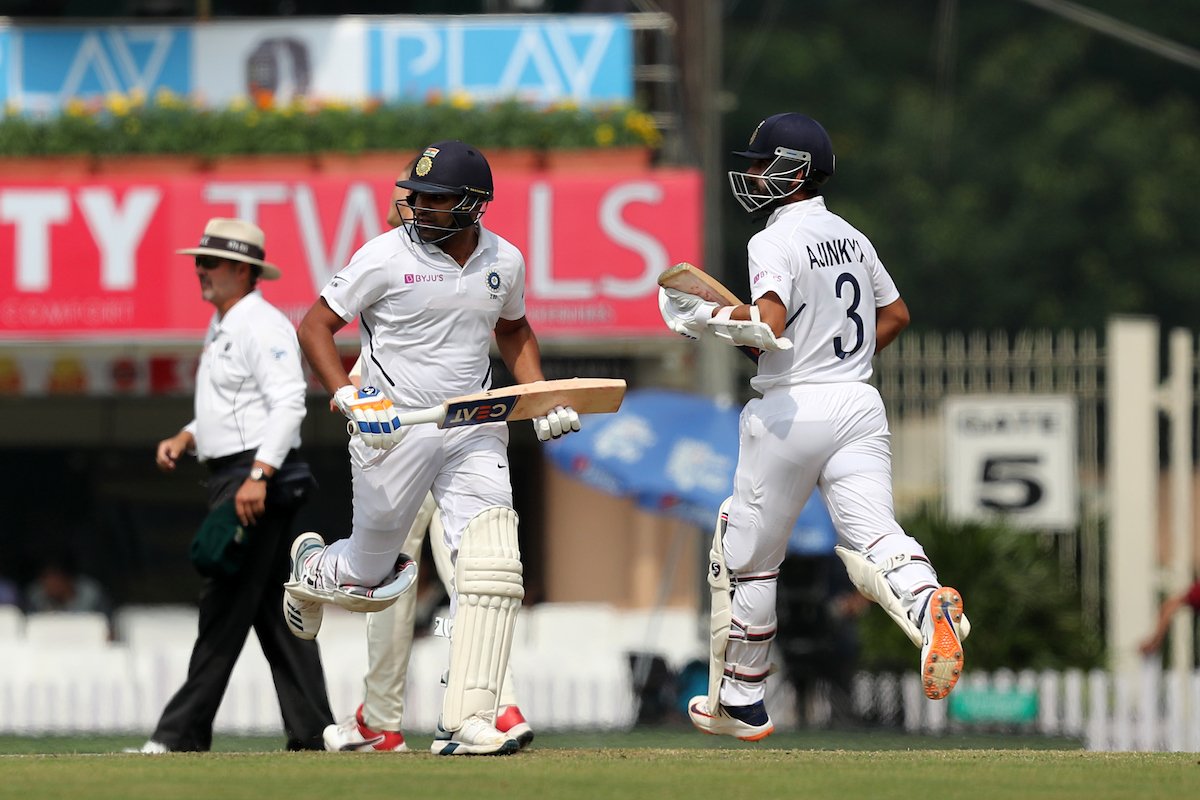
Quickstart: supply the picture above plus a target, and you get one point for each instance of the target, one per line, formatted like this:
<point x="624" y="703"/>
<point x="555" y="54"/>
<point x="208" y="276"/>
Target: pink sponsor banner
<point x="96" y="259"/>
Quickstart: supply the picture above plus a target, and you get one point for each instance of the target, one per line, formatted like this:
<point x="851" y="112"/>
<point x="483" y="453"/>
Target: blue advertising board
<point x="582" y="59"/>
<point x="579" y="59"/>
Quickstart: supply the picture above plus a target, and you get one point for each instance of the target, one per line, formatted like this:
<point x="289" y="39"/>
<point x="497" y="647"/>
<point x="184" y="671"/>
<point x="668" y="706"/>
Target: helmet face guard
<point x="783" y="177"/>
<point x="465" y="213"/>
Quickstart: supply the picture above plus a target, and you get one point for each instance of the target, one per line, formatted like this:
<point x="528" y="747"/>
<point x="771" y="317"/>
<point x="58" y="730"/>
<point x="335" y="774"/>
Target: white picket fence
<point x="1151" y="710"/>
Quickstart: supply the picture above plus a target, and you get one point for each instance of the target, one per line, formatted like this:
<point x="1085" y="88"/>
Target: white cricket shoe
<point x="748" y="723"/>
<point x="476" y="737"/>
<point x="511" y="721"/>
<point x="150" y="748"/>
<point x="353" y="735"/>
<point x="304" y="616"/>
<point x="942" y="631"/>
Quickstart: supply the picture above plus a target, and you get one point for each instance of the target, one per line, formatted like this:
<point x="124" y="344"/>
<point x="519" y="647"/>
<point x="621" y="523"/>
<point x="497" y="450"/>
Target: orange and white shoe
<point x="748" y="723"/>
<point x="353" y="735"/>
<point x="511" y="721"/>
<point x="942" y="632"/>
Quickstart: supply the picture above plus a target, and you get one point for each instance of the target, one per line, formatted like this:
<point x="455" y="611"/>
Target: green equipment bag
<point x="219" y="546"/>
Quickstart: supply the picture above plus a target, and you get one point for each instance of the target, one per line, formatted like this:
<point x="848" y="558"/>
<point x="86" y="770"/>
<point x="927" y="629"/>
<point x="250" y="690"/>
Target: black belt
<point x="245" y="457"/>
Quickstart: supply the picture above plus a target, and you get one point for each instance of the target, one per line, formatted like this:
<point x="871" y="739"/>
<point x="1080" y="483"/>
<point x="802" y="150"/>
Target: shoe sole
<point x="509" y="747"/>
<point x="944" y="661"/>
<point x="292" y="613"/>
<point x="698" y="716"/>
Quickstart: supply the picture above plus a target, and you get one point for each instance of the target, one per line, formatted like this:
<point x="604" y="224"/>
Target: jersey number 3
<point x="856" y="296"/>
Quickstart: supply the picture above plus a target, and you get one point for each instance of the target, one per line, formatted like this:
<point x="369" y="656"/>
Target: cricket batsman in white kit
<point x="428" y="302"/>
<point x="822" y="305"/>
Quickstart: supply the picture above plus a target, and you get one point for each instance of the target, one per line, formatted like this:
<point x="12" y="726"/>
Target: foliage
<point x="1024" y="613"/>
<point x="169" y="124"/>
<point x="1014" y="170"/>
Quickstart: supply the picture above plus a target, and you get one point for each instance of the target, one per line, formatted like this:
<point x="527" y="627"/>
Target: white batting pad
<point x="722" y="613"/>
<point x="487" y="577"/>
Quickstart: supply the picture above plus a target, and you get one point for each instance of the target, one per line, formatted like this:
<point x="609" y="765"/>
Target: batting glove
<point x="372" y="416"/>
<point x="559" y="422"/>
<point x="747" y="332"/>
<point x="684" y="313"/>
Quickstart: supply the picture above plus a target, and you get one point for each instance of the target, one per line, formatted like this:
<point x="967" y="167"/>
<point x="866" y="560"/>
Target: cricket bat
<point x="522" y="401"/>
<point x="688" y="279"/>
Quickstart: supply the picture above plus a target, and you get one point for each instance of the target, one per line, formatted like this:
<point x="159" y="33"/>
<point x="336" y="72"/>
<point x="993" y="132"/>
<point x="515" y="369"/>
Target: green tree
<point x="1043" y="176"/>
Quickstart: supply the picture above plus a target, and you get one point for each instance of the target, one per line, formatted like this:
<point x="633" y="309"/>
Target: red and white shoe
<point x="510" y="721"/>
<point x="353" y="735"/>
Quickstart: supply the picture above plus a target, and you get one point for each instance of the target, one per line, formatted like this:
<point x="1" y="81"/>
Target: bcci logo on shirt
<point x="493" y="283"/>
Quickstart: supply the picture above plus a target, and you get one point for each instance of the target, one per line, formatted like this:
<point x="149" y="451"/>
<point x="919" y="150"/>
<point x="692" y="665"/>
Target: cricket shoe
<point x="748" y="723"/>
<point x="150" y="748"/>
<point x="476" y="737"/>
<point x="943" y="628"/>
<point x="303" y="616"/>
<point x="511" y="721"/>
<point x="353" y="735"/>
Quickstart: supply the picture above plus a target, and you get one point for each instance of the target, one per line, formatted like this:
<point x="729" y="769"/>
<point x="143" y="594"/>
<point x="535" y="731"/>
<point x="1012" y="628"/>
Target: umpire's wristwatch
<point x="258" y="474"/>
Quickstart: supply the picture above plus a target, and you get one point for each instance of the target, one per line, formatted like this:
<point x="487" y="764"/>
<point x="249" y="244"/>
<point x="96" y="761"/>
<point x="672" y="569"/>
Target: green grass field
<point x="672" y="764"/>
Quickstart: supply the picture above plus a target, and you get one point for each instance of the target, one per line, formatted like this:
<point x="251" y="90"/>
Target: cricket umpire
<point x="249" y="404"/>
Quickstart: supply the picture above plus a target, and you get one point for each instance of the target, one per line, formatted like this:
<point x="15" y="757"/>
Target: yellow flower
<point x="117" y="103"/>
<point x="460" y="100"/>
<point x="76" y="108"/>
<point x="605" y="135"/>
<point x="165" y="98"/>
<point x="239" y="103"/>
<point x="137" y="97"/>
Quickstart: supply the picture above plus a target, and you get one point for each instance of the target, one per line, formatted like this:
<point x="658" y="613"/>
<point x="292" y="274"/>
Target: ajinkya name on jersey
<point x="834" y="252"/>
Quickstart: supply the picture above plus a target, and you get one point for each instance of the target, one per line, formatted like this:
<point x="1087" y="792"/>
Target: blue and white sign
<point x="581" y="59"/>
<point x="5" y="49"/>
<point x="50" y="66"/>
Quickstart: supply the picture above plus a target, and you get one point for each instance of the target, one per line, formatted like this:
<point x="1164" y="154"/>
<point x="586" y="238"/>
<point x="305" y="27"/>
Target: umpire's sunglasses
<point x="208" y="262"/>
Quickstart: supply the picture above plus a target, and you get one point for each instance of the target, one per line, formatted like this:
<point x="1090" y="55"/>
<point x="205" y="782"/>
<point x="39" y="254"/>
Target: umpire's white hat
<point x="235" y="239"/>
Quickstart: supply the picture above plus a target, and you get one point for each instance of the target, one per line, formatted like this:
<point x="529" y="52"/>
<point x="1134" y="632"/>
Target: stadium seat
<point x="66" y="629"/>
<point x="12" y="624"/>
<point x="673" y="633"/>
<point x="156" y="626"/>
<point x="575" y="627"/>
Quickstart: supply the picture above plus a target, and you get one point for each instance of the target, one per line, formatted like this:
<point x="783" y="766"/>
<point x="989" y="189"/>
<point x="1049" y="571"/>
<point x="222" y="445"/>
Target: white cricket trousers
<point x="831" y="436"/>
<point x="466" y="469"/>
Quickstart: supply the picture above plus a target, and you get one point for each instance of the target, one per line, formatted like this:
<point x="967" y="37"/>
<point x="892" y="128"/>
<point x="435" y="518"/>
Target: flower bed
<point x="170" y="125"/>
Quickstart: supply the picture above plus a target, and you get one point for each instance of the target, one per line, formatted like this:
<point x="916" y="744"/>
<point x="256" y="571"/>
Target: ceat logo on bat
<point x="476" y="413"/>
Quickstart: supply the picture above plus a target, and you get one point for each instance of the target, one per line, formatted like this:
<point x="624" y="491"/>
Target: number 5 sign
<point x="1012" y="455"/>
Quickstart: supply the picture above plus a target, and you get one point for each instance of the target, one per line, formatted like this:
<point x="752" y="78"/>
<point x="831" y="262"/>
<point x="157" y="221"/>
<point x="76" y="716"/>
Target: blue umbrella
<point x="674" y="453"/>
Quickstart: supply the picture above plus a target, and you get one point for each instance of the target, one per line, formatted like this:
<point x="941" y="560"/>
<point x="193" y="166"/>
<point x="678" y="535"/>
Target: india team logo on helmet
<point x="425" y="162"/>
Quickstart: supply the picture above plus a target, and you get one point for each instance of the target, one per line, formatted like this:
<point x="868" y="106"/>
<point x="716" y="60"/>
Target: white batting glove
<point x="372" y="416"/>
<point x="559" y="422"/>
<point x="747" y="332"/>
<point x="685" y="314"/>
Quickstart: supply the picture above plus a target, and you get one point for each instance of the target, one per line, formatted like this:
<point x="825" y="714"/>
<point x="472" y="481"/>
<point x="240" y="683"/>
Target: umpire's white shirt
<point x="425" y="323"/>
<point x="831" y="280"/>
<point x="250" y="386"/>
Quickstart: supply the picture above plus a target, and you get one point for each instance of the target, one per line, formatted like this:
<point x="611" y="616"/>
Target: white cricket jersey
<point x="831" y="280"/>
<point x="249" y="385"/>
<point x="426" y="323"/>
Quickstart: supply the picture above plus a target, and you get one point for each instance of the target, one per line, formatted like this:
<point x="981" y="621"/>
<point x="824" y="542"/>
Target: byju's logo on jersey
<point x="410" y="277"/>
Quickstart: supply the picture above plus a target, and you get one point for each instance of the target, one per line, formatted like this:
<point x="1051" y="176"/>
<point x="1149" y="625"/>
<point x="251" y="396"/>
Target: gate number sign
<point x="1012" y="456"/>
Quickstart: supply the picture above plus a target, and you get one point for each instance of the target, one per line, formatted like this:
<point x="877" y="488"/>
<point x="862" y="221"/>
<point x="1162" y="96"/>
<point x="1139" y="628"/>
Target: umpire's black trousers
<point x="230" y="607"/>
